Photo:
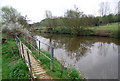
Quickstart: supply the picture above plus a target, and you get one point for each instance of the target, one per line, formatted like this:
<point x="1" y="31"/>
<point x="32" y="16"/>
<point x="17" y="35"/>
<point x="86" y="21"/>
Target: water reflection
<point x="95" y="57"/>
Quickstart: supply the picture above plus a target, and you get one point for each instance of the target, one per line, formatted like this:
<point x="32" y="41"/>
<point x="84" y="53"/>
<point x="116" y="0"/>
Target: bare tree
<point x="48" y="15"/>
<point x="74" y="17"/>
<point x="118" y="7"/>
<point x="104" y="8"/>
<point x="115" y="10"/>
<point x="73" y="13"/>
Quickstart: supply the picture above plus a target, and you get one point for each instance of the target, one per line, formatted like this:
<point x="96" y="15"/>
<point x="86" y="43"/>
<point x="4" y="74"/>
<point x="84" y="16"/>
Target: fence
<point x="32" y="42"/>
<point x="24" y="53"/>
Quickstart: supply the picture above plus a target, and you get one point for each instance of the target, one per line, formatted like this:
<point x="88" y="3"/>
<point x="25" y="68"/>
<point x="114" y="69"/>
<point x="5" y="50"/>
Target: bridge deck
<point x="37" y="70"/>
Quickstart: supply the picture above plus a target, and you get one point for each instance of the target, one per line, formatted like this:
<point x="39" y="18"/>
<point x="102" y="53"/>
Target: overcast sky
<point x="35" y="9"/>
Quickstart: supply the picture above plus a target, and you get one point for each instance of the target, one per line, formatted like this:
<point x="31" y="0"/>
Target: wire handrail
<point x="35" y="47"/>
<point x="39" y="40"/>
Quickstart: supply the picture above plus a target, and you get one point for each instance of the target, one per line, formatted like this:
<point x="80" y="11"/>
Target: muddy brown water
<point x="93" y="57"/>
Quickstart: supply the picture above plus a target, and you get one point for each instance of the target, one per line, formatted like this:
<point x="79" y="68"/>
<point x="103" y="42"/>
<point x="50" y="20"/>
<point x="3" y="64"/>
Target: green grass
<point x="13" y="66"/>
<point x="110" y="27"/>
<point x="110" y="30"/>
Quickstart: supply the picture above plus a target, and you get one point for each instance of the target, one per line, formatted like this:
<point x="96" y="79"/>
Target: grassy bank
<point x="109" y="30"/>
<point x="13" y="66"/>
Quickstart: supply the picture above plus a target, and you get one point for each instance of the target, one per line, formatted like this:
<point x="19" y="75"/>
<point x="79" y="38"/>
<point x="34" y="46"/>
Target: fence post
<point x="29" y="61"/>
<point x="20" y="48"/>
<point x="51" y="61"/>
<point x="39" y="47"/>
<point x="23" y="52"/>
<point x="17" y="42"/>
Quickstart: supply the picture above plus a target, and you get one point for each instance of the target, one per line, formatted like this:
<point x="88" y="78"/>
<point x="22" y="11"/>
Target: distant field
<point x="109" y="30"/>
<point x="110" y="27"/>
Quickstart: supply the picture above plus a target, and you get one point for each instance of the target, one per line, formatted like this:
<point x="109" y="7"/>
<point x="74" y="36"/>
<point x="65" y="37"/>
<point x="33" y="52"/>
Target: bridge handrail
<point x="39" y="50"/>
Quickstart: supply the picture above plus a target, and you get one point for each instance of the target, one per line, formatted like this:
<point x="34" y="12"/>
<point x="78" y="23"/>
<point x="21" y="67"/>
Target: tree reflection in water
<point x="77" y="47"/>
<point x="91" y="55"/>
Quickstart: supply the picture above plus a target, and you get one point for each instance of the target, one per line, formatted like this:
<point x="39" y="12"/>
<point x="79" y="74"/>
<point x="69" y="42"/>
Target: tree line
<point x="84" y="21"/>
<point x="74" y="18"/>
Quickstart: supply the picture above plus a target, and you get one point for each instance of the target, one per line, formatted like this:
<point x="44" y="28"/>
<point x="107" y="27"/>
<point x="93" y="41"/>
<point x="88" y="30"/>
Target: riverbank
<point x="109" y="30"/>
<point x="58" y="70"/>
<point x="13" y="66"/>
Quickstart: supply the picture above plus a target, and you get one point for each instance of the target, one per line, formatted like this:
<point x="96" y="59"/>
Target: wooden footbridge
<point x="35" y="69"/>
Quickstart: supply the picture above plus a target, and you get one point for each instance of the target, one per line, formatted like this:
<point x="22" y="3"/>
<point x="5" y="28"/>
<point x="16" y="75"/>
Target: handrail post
<point x="51" y="61"/>
<point x="39" y="47"/>
<point x="29" y="61"/>
<point x="20" y="49"/>
<point x="23" y="52"/>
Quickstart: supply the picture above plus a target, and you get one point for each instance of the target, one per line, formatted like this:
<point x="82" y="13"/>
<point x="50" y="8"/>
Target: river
<point x="93" y="57"/>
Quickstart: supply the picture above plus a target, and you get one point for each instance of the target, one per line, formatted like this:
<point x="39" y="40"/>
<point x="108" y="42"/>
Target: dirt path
<point x="37" y="70"/>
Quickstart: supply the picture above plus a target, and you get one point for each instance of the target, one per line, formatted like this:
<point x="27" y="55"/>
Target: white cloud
<point x="35" y="9"/>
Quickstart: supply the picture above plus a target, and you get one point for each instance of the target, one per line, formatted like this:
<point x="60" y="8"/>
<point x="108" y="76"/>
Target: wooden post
<point x="29" y="61"/>
<point x="23" y="52"/>
<point x="17" y="41"/>
<point x="19" y="48"/>
<point x="39" y="47"/>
